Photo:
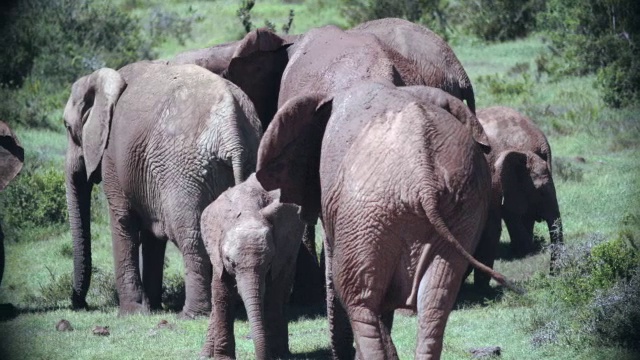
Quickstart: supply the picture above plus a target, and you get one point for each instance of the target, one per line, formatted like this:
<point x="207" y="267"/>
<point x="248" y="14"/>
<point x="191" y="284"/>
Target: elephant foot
<point x="78" y="302"/>
<point x="191" y="315"/>
<point x="133" y="308"/>
<point x="8" y="312"/>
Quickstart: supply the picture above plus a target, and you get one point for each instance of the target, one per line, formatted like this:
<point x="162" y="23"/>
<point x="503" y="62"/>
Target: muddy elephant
<point x="523" y="189"/>
<point x="165" y="141"/>
<point x="398" y="232"/>
<point x="432" y="55"/>
<point x="253" y="240"/>
<point x="11" y="160"/>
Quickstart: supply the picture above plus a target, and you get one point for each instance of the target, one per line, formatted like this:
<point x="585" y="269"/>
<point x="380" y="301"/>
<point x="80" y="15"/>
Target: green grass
<point x="568" y="109"/>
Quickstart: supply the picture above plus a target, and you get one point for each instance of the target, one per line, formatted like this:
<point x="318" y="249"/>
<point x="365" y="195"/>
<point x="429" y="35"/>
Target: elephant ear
<point x="287" y="231"/>
<point x="103" y="89"/>
<point x="256" y="67"/>
<point x="213" y="227"/>
<point x="11" y="155"/>
<point x="455" y="107"/>
<point x="512" y="174"/>
<point x="289" y="153"/>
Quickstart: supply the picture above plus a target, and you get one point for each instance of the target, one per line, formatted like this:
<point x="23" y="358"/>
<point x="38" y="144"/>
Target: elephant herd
<point x="234" y="152"/>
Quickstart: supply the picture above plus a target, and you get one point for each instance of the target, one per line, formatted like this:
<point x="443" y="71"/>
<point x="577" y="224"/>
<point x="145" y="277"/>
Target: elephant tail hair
<point x="423" y="263"/>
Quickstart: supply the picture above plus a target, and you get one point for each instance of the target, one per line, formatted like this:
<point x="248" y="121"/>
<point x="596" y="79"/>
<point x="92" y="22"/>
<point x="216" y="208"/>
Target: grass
<point x="593" y="204"/>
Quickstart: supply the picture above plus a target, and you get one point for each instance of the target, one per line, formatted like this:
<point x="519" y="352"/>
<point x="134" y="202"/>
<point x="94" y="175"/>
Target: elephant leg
<point x="339" y="326"/>
<point x="520" y="233"/>
<point x="309" y="281"/>
<point x="126" y="242"/>
<point x="153" y="250"/>
<point x="198" y="272"/>
<point x="437" y="293"/>
<point x="276" y="296"/>
<point x="386" y="324"/>
<point x="367" y="328"/>
<point x="487" y="249"/>
<point x="220" y="341"/>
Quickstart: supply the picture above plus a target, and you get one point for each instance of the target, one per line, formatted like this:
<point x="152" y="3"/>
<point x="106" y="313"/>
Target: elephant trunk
<point x="237" y="163"/>
<point x="251" y="289"/>
<point x="79" y="206"/>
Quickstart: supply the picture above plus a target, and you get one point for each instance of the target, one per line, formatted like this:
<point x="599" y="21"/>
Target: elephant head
<point x="529" y="195"/>
<point x="11" y="155"/>
<point x="87" y="117"/>
<point x="256" y="67"/>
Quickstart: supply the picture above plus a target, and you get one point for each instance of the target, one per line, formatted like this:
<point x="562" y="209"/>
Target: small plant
<point x="173" y="292"/>
<point x="55" y="294"/>
<point x="565" y="170"/>
<point x="103" y="291"/>
<point x="506" y="86"/>
<point x="36" y="199"/>
<point x="244" y="14"/>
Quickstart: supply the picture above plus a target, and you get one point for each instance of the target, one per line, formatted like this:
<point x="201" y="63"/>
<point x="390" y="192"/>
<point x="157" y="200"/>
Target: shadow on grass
<point x="506" y="253"/>
<point x="324" y="353"/>
<point x="470" y="296"/>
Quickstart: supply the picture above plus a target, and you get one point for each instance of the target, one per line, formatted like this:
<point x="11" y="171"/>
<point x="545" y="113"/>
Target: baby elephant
<point x="252" y="240"/>
<point x="522" y="186"/>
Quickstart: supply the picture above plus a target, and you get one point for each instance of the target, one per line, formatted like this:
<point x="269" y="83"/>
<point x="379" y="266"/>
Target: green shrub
<point x="616" y="314"/>
<point x="500" y="20"/>
<point x="35" y="199"/>
<point x="173" y="292"/>
<point x="55" y="294"/>
<point x="598" y="35"/>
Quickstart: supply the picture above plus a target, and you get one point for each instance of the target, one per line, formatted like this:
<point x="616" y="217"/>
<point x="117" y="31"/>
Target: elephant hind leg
<point x="368" y="332"/>
<point x="436" y="295"/>
<point x="153" y="251"/>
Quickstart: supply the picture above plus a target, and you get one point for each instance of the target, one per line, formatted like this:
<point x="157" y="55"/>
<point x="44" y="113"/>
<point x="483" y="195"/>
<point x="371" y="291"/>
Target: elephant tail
<point x="423" y="263"/>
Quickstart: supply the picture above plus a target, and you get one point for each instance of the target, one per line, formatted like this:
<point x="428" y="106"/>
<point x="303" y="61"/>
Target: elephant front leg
<point x="276" y="296"/>
<point x="520" y="232"/>
<point x="153" y="251"/>
<point x="487" y="249"/>
<point x="198" y="275"/>
<point x="220" y="341"/>
<point x="125" y="239"/>
<point x="437" y="293"/>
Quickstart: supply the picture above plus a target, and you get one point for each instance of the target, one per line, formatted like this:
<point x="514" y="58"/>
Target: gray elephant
<point x="523" y="188"/>
<point x="253" y="241"/>
<point x="398" y="231"/>
<point x="11" y="160"/>
<point x="166" y="141"/>
<point x="432" y="55"/>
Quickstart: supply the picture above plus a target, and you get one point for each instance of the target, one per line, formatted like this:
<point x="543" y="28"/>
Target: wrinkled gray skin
<point x="523" y="188"/>
<point x="166" y="141"/>
<point x="433" y="57"/>
<point x="11" y="160"/>
<point x="398" y="232"/>
<point x="252" y="240"/>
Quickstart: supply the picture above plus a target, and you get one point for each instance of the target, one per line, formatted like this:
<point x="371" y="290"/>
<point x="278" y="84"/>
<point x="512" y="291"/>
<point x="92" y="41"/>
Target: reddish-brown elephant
<point x="523" y="191"/>
<point x="402" y="188"/>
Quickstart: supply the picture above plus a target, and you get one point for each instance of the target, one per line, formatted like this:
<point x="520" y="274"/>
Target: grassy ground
<point x="595" y="196"/>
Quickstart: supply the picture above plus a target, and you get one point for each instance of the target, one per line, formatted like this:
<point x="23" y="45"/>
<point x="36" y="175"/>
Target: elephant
<point x="403" y="190"/>
<point x="165" y="140"/>
<point x="428" y="51"/>
<point x="11" y="161"/>
<point x="253" y="240"/>
<point x="523" y="191"/>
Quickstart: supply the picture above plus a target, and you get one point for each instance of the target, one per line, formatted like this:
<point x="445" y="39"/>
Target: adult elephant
<point x="523" y="189"/>
<point x="432" y="56"/>
<point x="11" y="160"/>
<point x="398" y="232"/>
<point x="166" y="141"/>
<point x="253" y="240"/>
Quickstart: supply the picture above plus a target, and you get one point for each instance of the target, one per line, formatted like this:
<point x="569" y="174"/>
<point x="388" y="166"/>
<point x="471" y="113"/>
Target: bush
<point x="598" y="35"/>
<point x="500" y="20"/>
<point x="35" y="199"/>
